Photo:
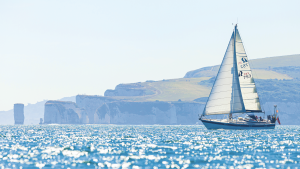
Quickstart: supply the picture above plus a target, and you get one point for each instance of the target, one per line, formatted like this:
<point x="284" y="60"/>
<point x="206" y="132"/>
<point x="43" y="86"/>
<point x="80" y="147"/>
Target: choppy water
<point x="112" y="146"/>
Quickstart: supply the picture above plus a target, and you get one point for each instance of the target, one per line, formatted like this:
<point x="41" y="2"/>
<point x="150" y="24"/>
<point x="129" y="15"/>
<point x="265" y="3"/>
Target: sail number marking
<point x="245" y="74"/>
<point x="243" y="63"/>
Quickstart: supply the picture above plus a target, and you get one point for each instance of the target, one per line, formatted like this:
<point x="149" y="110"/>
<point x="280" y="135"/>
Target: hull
<point x="237" y="126"/>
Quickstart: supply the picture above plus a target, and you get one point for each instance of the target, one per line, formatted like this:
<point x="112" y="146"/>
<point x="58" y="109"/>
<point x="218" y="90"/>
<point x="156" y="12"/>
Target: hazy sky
<point x="54" y="49"/>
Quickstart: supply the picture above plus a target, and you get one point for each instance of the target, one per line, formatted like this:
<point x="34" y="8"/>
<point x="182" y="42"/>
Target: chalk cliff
<point x="90" y="104"/>
<point x="277" y="80"/>
<point x="62" y="112"/>
<point x="104" y="110"/>
<point x="166" y="113"/>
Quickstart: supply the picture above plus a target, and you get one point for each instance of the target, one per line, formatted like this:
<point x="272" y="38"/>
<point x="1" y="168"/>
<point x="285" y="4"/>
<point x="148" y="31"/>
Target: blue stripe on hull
<point x="246" y="126"/>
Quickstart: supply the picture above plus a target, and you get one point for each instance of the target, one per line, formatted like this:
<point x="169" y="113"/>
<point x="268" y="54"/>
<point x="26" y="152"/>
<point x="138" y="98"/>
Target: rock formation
<point x="166" y="113"/>
<point x="277" y="82"/>
<point x="105" y="110"/>
<point x="61" y="112"/>
<point x="19" y="113"/>
<point x="41" y="121"/>
<point x="136" y="113"/>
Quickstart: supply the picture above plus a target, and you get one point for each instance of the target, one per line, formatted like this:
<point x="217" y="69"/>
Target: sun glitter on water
<point x="125" y="146"/>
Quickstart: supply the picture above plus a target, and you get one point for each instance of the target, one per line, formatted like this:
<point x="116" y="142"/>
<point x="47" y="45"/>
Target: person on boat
<point x="256" y="118"/>
<point x="273" y="119"/>
<point x="230" y="116"/>
<point x="260" y="119"/>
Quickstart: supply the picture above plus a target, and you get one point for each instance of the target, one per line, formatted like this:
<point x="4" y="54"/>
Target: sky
<point x="55" y="49"/>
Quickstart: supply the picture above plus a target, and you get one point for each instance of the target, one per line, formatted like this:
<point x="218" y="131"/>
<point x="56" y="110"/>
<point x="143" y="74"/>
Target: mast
<point x="234" y="58"/>
<point x="235" y="73"/>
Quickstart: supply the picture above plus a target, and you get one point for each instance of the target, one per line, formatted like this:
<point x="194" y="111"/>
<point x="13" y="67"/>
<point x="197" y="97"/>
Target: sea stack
<point x="19" y="113"/>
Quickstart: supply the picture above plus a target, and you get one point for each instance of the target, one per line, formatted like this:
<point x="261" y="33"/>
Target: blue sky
<point x="55" y="49"/>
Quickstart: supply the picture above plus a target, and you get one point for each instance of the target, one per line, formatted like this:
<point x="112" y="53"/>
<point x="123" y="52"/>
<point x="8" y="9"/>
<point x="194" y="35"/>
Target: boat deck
<point x="238" y="121"/>
<point x="237" y="124"/>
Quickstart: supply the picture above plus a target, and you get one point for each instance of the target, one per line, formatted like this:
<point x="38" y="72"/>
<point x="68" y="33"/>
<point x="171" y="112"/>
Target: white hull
<point x="211" y="124"/>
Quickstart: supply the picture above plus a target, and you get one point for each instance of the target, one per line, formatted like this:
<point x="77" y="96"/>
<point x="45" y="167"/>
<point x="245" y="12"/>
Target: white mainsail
<point x="234" y="89"/>
<point x="248" y="89"/>
<point x="225" y="96"/>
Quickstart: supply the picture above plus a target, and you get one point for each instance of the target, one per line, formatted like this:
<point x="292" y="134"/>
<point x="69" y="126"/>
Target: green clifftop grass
<point x="259" y="66"/>
<point x="172" y="90"/>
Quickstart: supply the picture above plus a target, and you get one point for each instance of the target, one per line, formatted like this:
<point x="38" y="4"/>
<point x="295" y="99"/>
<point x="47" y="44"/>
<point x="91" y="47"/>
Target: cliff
<point x="62" y="112"/>
<point x="105" y="110"/>
<point x="179" y="101"/>
<point x="90" y="104"/>
<point x="137" y="113"/>
<point x="32" y="113"/>
<point x="149" y="113"/>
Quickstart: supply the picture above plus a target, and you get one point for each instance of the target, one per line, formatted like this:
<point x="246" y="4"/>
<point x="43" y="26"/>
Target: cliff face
<point x="90" y="104"/>
<point x="188" y="112"/>
<point x="104" y="110"/>
<point x="61" y="112"/>
<point x="166" y="113"/>
<point x="277" y="80"/>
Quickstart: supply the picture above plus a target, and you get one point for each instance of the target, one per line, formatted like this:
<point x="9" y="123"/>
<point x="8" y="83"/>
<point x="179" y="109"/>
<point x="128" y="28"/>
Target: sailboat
<point x="234" y="93"/>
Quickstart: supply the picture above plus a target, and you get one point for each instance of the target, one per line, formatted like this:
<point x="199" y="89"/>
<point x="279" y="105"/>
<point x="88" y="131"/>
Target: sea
<point x="142" y="146"/>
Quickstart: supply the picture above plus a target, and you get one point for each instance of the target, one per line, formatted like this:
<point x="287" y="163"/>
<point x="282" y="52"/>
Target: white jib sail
<point x="225" y="96"/>
<point x="247" y="85"/>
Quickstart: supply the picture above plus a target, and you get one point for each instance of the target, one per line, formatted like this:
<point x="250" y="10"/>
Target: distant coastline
<point x="277" y="79"/>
